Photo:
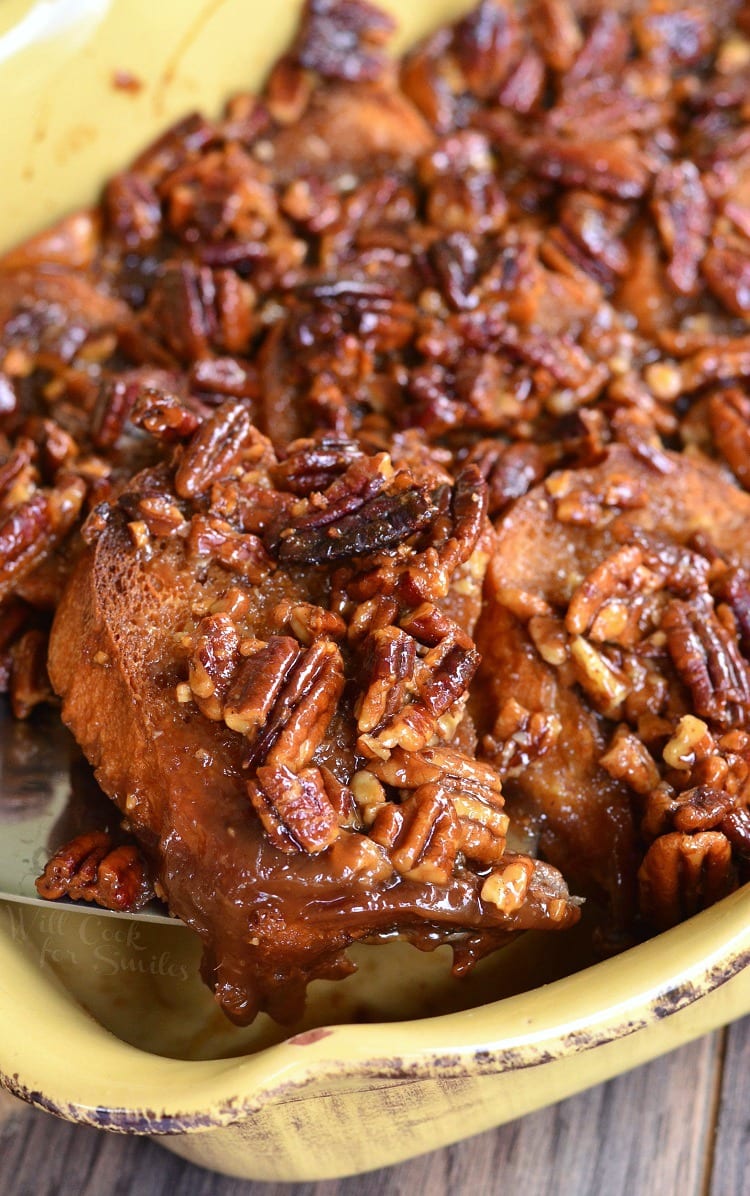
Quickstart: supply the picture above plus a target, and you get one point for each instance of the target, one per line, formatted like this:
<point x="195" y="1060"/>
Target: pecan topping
<point x="729" y="417"/>
<point x="163" y="415"/>
<point x="257" y="684"/>
<point x="239" y="552"/>
<point x="92" y="868"/>
<point x="30" y="531"/>
<point x="473" y="789"/>
<point x="437" y="680"/>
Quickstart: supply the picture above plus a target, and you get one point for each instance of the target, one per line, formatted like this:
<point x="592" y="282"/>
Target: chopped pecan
<point x="726" y="269"/>
<point x="92" y="868"/>
<point x="225" y="376"/>
<point x="288" y="90"/>
<point x="309" y="623"/>
<point x="628" y="759"/>
<point x="213" y="661"/>
<point x="122" y="397"/>
<point x="520" y="736"/>
<point x="507" y="887"/>
<point x="240" y="552"/>
<point x="18" y="473"/>
<point x="294" y="808"/>
<point x="509" y="470"/>
<point x="161" y="516"/>
<point x="603" y="606"/>
<point x="454" y="537"/>
<point x="691" y="741"/>
<point x="733" y="588"/>
<point x="589" y="507"/>
<point x="606" y="684"/>
<point x="701" y="809"/>
<point x="14" y="617"/>
<point x="726" y="359"/>
<point x="132" y="210"/>
<point x="682" y="874"/>
<point x="736" y="827"/>
<point x="309" y="466"/>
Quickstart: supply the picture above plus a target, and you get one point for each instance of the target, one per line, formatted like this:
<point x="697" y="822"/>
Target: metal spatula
<point x="47" y="796"/>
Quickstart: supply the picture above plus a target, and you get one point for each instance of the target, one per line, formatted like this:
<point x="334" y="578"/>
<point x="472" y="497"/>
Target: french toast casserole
<point x="374" y="492"/>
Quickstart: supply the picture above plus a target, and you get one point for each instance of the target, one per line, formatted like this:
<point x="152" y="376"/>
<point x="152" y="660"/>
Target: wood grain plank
<point x="729" y="1170"/>
<point x="647" y="1133"/>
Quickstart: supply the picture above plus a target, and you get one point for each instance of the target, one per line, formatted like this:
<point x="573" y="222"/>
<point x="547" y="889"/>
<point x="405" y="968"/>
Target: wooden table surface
<point x="677" y="1127"/>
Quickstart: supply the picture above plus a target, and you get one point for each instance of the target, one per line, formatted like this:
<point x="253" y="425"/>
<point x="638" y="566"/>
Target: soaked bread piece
<point x="615" y="609"/>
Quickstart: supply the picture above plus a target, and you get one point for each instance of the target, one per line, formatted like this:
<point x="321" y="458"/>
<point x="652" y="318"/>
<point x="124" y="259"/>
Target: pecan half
<point x="306" y="687"/>
<point x="294" y="808"/>
<point x="92" y="868"/>
<point x="379" y="524"/>
<point x="682" y="874"/>
<point x="216" y="448"/>
<point x="344" y="40"/>
<point x="29" y="681"/>
<point x="422" y="835"/>
<point x="683" y="219"/>
<point x="31" y="530"/>
<point x="708" y="661"/>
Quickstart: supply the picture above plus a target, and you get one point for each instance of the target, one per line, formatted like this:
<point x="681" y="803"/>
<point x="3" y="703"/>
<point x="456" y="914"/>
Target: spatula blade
<point x="47" y="796"/>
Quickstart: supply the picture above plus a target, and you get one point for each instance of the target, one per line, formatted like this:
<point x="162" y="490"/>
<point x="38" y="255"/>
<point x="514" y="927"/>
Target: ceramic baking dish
<point x="107" y="1024"/>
